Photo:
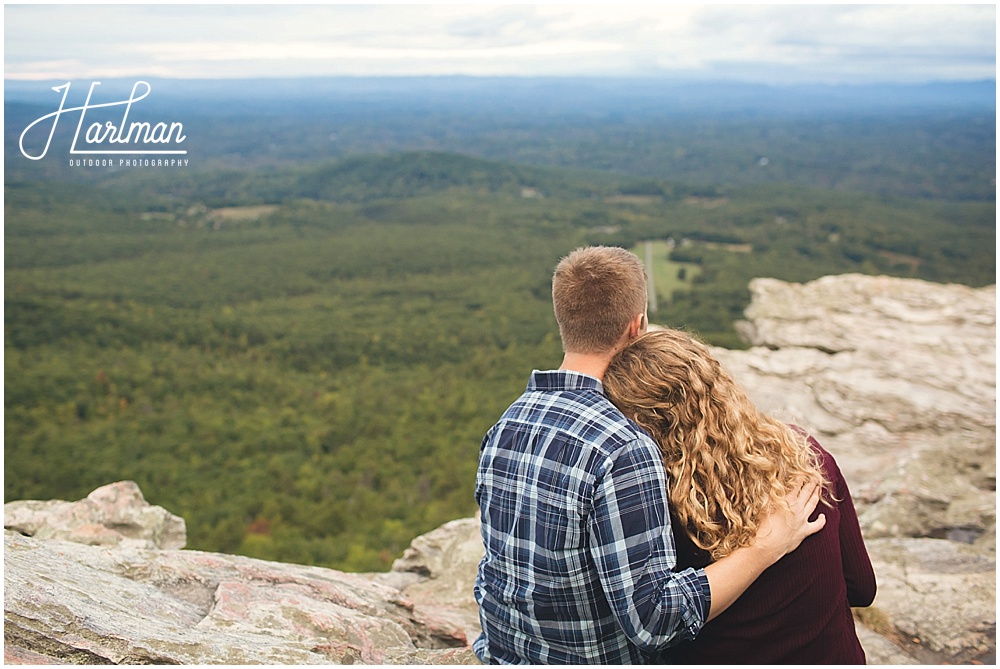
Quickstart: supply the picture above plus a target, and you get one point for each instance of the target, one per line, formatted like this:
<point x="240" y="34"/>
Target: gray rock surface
<point x="113" y="514"/>
<point x="938" y="594"/>
<point x="440" y="571"/>
<point x="77" y="603"/>
<point x="895" y="377"/>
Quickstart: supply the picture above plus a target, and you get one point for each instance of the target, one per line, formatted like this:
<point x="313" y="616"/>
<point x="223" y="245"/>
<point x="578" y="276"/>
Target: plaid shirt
<point x="579" y="554"/>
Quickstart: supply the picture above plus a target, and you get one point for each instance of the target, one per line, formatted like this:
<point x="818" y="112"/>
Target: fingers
<point x="805" y="499"/>
<point x="782" y="528"/>
<point x="814" y="496"/>
<point x="816" y="525"/>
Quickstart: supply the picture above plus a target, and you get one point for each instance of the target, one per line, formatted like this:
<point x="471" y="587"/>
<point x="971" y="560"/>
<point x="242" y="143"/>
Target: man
<point x="573" y="503"/>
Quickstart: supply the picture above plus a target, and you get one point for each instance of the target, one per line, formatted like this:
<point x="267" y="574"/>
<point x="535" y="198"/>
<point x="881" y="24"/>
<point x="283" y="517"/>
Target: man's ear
<point x="636" y="326"/>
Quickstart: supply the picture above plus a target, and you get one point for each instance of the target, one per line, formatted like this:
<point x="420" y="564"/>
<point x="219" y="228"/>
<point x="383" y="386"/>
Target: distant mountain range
<point x="601" y="98"/>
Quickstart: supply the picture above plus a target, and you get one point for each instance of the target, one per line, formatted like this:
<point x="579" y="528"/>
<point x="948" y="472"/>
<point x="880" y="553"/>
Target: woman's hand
<point x="782" y="529"/>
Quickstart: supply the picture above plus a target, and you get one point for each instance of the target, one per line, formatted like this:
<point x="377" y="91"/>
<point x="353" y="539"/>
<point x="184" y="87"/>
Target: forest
<point x="300" y="353"/>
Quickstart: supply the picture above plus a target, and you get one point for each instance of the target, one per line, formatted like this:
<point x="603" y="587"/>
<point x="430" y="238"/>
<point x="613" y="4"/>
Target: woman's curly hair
<point x="727" y="461"/>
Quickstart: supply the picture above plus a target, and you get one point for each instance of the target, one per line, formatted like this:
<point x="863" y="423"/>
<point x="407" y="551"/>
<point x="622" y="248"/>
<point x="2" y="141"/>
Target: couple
<point x="591" y="557"/>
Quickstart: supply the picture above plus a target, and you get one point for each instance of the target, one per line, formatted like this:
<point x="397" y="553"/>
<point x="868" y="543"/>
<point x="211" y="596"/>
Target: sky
<point x="778" y="43"/>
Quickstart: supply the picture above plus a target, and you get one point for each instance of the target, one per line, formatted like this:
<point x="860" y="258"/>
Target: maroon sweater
<point x="798" y="611"/>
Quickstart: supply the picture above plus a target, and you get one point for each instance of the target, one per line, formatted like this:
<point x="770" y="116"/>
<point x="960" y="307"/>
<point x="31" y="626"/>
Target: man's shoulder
<point x="578" y="413"/>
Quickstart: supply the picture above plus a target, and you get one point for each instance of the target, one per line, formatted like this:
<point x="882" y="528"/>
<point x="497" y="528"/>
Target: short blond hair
<point x="596" y="292"/>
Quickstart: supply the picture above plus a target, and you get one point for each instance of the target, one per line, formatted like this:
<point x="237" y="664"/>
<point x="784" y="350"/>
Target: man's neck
<point x="591" y="364"/>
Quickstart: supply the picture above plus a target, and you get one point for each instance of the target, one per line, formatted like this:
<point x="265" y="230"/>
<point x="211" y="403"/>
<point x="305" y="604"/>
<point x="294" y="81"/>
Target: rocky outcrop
<point x="895" y="377"/>
<point x="128" y="601"/>
<point x="115" y="514"/>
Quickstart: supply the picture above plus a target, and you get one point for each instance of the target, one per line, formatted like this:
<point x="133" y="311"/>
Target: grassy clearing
<point x="668" y="276"/>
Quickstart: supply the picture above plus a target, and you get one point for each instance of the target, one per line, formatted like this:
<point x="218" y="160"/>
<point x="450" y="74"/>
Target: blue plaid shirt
<point x="579" y="556"/>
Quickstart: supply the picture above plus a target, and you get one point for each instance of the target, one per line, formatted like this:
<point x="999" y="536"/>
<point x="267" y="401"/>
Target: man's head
<point x="596" y="293"/>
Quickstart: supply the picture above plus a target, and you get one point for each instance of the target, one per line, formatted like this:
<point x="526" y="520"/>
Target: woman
<point x="727" y="461"/>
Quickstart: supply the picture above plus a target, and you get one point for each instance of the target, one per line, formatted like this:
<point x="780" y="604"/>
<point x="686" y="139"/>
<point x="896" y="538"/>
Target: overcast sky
<point x="836" y="43"/>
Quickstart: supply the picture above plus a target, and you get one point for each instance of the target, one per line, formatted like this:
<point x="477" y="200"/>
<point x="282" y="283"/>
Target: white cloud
<point x="804" y="42"/>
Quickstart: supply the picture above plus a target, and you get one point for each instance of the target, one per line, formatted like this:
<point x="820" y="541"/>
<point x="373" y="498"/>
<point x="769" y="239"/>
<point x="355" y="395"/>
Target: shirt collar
<point x="561" y="379"/>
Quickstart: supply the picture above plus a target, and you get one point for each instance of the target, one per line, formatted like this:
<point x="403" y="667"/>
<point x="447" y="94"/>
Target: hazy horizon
<point x="767" y="44"/>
